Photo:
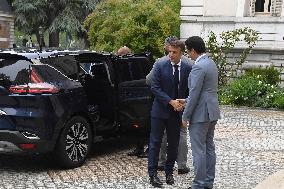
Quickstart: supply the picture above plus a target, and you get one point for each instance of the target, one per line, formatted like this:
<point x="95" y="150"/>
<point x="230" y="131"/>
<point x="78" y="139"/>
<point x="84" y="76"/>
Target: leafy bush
<point x="268" y="75"/>
<point x="220" y="49"/>
<point x="279" y="102"/>
<point x="142" y="25"/>
<point x="245" y="91"/>
<point x="256" y="88"/>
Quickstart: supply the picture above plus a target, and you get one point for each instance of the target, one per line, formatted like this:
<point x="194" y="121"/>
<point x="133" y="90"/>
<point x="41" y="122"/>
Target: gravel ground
<point x="249" y="146"/>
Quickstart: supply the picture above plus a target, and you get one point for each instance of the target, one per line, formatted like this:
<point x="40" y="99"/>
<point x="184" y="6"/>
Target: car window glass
<point x="46" y="73"/>
<point x="86" y="67"/>
<point x="133" y="68"/>
<point x="99" y="71"/>
<point x="65" y="64"/>
<point x="14" y="72"/>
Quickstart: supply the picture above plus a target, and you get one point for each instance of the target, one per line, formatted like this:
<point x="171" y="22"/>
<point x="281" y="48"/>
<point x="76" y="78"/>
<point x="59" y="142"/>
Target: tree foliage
<point x="142" y="25"/>
<point x="53" y="15"/>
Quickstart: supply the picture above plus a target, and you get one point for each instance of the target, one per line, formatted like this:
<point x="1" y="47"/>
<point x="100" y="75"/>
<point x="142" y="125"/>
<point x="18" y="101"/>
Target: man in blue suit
<point x="169" y="83"/>
<point x="201" y="113"/>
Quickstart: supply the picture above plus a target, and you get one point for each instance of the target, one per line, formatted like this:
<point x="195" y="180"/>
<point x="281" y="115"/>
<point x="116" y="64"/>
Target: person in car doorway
<point x="123" y="51"/>
<point x="168" y="84"/>
<point x="183" y="147"/>
<point x="140" y="141"/>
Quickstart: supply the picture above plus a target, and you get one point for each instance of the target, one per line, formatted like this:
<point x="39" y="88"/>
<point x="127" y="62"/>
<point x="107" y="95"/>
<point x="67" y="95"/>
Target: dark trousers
<point x="172" y="126"/>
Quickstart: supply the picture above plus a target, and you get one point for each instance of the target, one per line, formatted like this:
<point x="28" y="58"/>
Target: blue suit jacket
<point x="162" y="87"/>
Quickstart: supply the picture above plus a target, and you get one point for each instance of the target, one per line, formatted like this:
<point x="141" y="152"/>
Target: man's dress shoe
<point x="143" y="155"/>
<point x="170" y="179"/>
<point x="135" y="152"/>
<point x="184" y="170"/>
<point x="161" y="168"/>
<point x="155" y="181"/>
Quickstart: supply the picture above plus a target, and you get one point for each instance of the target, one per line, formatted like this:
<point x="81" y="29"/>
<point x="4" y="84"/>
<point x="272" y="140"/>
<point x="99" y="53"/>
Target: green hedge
<point x="269" y="75"/>
<point x="257" y="87"/>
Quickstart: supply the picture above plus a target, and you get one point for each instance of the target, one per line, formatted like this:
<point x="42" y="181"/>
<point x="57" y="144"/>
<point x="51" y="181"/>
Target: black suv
<point x="62" y="102"/>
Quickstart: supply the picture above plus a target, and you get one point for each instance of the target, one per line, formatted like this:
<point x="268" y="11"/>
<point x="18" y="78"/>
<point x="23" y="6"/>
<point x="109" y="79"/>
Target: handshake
<point x="178" y="104"/>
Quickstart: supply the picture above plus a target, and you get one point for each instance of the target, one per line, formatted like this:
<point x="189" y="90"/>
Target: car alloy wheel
<point x="77" y="141"/>
<point x="74" y="143"/>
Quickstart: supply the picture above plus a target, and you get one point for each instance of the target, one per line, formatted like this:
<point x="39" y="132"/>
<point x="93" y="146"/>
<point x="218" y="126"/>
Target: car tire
<point x="74" y="143"/>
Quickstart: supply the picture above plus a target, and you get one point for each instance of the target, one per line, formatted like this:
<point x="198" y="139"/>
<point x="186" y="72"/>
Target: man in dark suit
<point x="183" y="147"/>
<point x="169" y="83"/>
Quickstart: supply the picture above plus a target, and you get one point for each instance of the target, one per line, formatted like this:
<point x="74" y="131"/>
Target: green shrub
<point x="279" y="99"/>
<point x="219" y="50"/>
<point x="142" y="25"/>
<point x="224" y="95"/>
<point x="269" y="75"/>
<point x="267" y="99"/>
<point x="245" y="91"/>
<point x="251" y="90"/>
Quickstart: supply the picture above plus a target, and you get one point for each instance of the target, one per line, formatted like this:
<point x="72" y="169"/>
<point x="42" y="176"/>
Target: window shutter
<point x="276" y="6"/>
<point x="252" y="7"/>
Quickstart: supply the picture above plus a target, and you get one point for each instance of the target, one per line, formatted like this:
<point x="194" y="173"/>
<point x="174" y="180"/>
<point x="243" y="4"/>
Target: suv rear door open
<point x="135" y="97"/>
<point x="117" y="85"/>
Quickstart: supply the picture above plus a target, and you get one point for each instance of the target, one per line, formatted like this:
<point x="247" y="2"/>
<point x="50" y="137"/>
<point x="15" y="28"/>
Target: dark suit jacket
<point x="162" y="87"/>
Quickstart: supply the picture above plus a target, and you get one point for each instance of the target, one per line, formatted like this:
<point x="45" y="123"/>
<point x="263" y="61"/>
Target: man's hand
<point x="182" y="101"/>
<point x="176" y="105"/>
<point x="185" y="124"/>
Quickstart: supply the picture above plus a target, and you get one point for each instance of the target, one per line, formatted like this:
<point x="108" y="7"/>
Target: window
<point x="132" y="68"/>
<point x="265" y="7"/>
<point x="64" y="64"/>
<point x="14" y="72"/>
<point x="262" y="6"/>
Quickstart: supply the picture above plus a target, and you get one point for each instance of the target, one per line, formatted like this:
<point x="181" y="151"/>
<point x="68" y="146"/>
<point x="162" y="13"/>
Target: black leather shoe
<point x="161" y="168"/>
<point x="155" y="181"/>
<point x="143" y="155"/>
<point x="135" y="152"/>
<point x="184" y="170"/>
<point x="170" y="179"/>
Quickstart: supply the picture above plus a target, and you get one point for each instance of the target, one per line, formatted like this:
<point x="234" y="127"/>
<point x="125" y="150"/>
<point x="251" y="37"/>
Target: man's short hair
<point x="123" y="50"/>
<point x="170" y="39"/>
<point x="178" y="43"/>
<point x="196" y="43"/>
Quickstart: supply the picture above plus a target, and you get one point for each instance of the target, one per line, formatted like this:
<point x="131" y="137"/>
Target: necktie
<point x="176" y="81"/>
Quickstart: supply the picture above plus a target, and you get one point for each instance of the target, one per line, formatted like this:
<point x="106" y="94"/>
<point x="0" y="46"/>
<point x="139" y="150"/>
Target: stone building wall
<point x="6" y="30"/>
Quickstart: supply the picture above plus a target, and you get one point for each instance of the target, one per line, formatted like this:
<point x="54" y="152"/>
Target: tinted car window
<point x="65" y="64"/>
<point x="134" y="68"/>
<point x="14" y="72"/>
<point x="46" y="73"/>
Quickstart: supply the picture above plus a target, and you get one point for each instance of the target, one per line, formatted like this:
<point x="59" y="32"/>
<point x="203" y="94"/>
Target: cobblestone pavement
<point x="249" y="146"/>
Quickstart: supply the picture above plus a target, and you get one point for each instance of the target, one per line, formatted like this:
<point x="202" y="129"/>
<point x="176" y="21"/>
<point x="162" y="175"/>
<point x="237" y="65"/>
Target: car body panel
<point x="107" y="90"/>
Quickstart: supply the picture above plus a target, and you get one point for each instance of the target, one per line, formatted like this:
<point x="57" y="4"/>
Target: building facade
<point x="6" y="25"/>
<point x="199" y="17"/>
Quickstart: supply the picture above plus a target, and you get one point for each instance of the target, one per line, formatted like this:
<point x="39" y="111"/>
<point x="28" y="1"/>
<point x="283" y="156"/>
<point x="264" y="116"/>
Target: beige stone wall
<point x="6" y="31"/>
<point x="220" y="7"/>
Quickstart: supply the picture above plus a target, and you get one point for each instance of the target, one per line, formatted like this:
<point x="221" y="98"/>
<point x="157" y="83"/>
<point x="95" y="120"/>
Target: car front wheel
<point x="74" y="143"/>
